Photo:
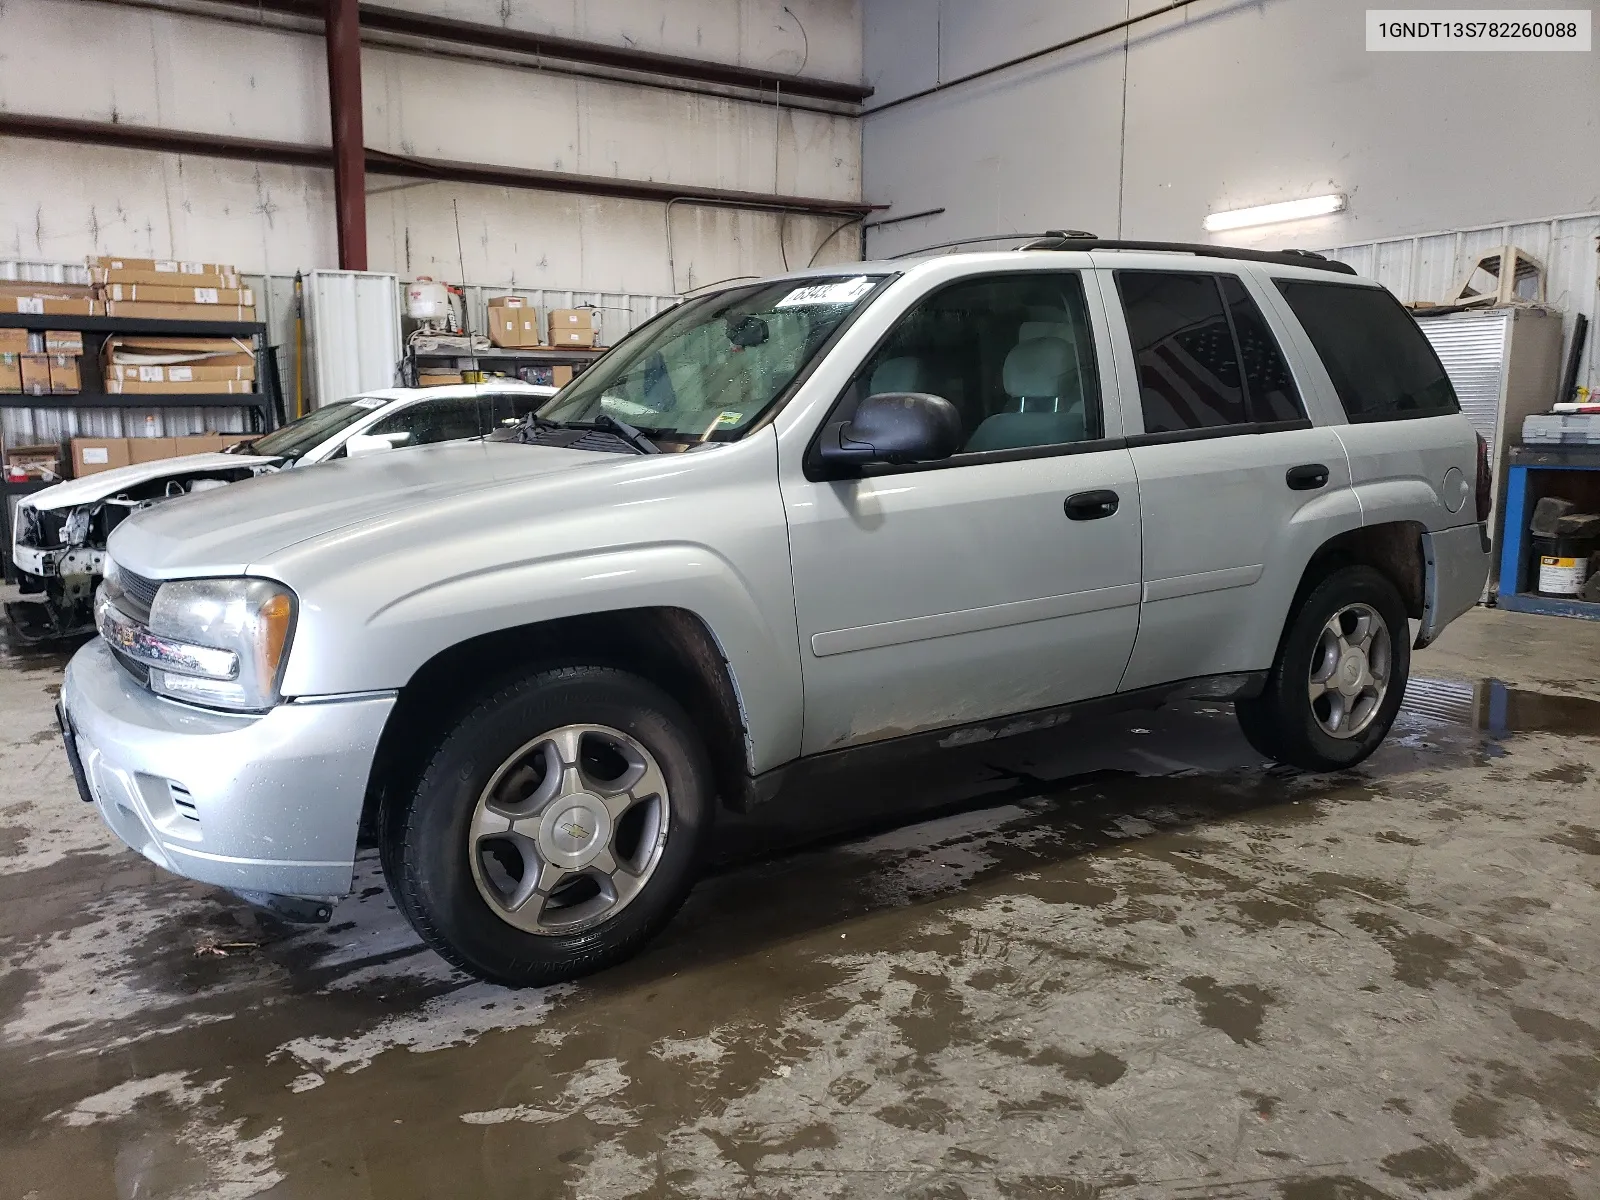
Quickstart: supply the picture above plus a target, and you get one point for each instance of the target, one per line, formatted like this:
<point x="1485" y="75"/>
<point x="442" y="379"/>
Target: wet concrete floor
<point x="1125" y="960"/>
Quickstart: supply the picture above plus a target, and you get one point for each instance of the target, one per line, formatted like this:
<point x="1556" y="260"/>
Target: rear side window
<point x="1183" y="351"/>
<point x="1273" y="396"/>
<point x="1379" y="360"/>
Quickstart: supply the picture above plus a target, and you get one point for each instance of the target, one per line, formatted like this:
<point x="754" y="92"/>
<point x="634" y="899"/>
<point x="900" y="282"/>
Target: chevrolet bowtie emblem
<point x="573" y="829"/>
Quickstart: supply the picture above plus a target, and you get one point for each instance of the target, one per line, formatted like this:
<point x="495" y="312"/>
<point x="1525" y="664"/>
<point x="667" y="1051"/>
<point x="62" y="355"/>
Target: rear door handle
<point x="1091" y="506"/>
<point x="1307" y="477"/>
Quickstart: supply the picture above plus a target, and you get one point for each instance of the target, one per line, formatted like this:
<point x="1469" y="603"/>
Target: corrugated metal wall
<point x="619" y="313"/>
<point x="1429" y="266"/>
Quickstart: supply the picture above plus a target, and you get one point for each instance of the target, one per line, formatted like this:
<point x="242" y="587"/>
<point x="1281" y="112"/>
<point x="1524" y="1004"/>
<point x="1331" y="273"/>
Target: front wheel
<point x="556" y="829"/>
<point x="1339" y="677"/>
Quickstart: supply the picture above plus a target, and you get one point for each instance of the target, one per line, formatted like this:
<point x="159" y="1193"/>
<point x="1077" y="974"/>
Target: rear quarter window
<point x="1380" y="362"/>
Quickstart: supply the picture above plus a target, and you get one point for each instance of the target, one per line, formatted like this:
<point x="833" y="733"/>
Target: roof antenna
<point x="466" y="307"/>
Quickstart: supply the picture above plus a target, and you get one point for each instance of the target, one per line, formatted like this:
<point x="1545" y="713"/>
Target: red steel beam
<point x="349" y="156"/>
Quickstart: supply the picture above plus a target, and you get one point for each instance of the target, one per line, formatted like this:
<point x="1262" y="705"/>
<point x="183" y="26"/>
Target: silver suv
<point x="894" y="507"/>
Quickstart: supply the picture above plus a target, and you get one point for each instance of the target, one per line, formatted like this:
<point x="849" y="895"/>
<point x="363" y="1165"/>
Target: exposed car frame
<point x="58" y="535"/>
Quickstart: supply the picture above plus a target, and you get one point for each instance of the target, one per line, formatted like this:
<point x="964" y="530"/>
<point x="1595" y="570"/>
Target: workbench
<point x="1571" y="472"/>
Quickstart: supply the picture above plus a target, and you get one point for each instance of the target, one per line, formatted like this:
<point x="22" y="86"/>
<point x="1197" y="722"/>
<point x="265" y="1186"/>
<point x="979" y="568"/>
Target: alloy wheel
<point x="1350" y="670"/>
<point x="569" y="829"/>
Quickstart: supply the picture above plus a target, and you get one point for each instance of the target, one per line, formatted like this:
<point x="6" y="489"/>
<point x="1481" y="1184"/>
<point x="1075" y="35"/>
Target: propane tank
<point x="427" y="301"/>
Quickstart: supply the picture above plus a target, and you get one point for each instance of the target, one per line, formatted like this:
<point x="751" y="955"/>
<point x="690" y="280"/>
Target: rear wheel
<point x="555" y="830"/>
<point x="1339" y="678"/>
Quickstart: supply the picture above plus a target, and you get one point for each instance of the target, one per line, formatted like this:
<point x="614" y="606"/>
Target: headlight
<point x="220" y="642"/>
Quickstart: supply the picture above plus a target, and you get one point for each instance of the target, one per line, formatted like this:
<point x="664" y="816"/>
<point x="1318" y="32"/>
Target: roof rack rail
<point x="993" y="237"/>
<point x="1071" y="240"/>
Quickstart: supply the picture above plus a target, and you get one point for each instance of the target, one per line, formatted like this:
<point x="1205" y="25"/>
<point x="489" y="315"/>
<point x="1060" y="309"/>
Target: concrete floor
<point x="1126" y="961"/>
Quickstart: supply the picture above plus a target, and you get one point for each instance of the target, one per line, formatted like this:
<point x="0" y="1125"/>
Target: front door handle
<point x="1307" y="477"/>
<point x="1091" y="506"/>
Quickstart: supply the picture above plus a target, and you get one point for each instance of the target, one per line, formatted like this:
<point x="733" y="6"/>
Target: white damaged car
<point x="58" y="537"/>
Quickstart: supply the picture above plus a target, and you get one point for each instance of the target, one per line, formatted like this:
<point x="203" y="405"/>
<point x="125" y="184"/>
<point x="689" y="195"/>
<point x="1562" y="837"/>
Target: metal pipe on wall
<point x="349" y="152"/>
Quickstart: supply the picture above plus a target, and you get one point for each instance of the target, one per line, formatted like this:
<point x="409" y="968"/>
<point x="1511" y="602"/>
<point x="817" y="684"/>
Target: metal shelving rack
<point x="264" y="406"/>
<point x="578" y="358"/>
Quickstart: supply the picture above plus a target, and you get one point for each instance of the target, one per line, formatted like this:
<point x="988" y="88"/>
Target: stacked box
<point x="170" y="289"/>
<point x="48" y="299"/>
<point x="1561" y="429"/>
<point x="573" y="327"/>
<point x="13" y="345"/>
<point x="513" y="322"/>
<point x="134" y="363"/>
<point x="92" y="455"/>
<point x="42" y="462"/>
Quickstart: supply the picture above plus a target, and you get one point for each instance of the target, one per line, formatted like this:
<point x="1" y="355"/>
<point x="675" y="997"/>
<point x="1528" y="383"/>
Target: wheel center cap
<point x="574" y="830"/>
<point x="1351" y="668"/>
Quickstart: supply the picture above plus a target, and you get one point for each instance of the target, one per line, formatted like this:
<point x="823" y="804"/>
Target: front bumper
<point x="264" y="804"/>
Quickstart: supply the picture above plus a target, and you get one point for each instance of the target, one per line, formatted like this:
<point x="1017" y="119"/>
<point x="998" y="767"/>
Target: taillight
<point x="1483" y="479"/>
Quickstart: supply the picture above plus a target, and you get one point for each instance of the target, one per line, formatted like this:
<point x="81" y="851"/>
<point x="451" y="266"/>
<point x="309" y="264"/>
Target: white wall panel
<point x="60" y="203"/>
<point x="749" y="33"/>
<point x="442" y="108"/>
<point x="1229" y="104"/>
<point x="544" y="239"/>
<point x="107" y="62"/>
<point x="165" y="69"/>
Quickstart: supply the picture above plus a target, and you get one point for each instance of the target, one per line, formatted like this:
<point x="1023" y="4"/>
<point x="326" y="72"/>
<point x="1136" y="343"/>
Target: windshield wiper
<point x="626" y="432"/>
<point x="527" y="429"/>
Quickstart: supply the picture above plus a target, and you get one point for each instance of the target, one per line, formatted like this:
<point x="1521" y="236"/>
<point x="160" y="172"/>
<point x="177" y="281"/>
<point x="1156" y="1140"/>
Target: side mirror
<point x="893" y="427"/>
<point x="371" y="443"/>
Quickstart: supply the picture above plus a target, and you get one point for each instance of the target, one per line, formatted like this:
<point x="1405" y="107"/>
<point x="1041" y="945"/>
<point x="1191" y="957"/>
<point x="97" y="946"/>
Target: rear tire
<point x="555" y="830"/>
<point x="1339" y="678"/>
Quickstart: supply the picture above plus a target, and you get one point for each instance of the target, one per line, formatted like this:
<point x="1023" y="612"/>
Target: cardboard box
<point x="140" y="350"/>
<point x="10" y="372"/>
<point x="90" y="456"/>
<point x="101" y="276"/>
<point x="439" y="378"/>
<point x="573" y="337"/>
<point x="200" y="387"/>
<point x="514" y="321"/>
<point x="178" y="372"/>
<point x="65" y="379"/>
<point x="560" y="375"/>
<point x="13" y="341"/>
<point x="571" y="318"/>
<point x="207" y="443"/>
<point x="34" y="462"/>
<point x="150" y="449"/>
<point x="49" y="306"/>
<point x="35" y="374"/>
<point x="505" y="327"/>
<point x="158" y="266"/>
<point x="47" y="299"/>
<point x="167" y="294"/>
<point x="180" y="312"/>
<point x="63" y="341"/>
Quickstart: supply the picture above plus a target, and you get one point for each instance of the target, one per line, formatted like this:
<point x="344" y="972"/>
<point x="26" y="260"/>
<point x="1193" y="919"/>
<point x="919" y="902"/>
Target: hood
<point x="98" y="486"/>
<point x="225" y="530"/>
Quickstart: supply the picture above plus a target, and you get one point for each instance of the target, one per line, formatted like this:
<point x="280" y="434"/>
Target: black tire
<point x="1280" y="722"/>
<point x="424" y="837"/>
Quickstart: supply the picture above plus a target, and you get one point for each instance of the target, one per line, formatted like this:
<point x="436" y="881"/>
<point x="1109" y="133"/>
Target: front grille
<point x="140" y="592"/>
<point x="132" y="666"/>
<point x="183" y="801"/>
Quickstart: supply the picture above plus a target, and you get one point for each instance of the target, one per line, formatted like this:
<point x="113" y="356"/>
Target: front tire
<point x="1339" y="677"/>
<point x="555" y="830"/>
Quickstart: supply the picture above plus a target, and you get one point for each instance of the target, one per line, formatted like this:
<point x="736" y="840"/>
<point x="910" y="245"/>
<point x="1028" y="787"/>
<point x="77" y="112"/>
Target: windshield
<point x="710" y="367"/>
<point x="311" y="430"/>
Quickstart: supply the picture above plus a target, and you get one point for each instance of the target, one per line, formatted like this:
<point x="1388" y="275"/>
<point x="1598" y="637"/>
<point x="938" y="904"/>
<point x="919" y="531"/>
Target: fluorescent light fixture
<point x="1272" y="214"/>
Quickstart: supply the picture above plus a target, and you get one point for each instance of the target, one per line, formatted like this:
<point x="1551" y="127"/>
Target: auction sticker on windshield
<point x="837" y="291"/>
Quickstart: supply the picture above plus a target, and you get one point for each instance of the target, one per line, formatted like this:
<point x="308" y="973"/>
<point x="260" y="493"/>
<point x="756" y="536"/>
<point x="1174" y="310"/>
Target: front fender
<point x="343" y="647"/>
